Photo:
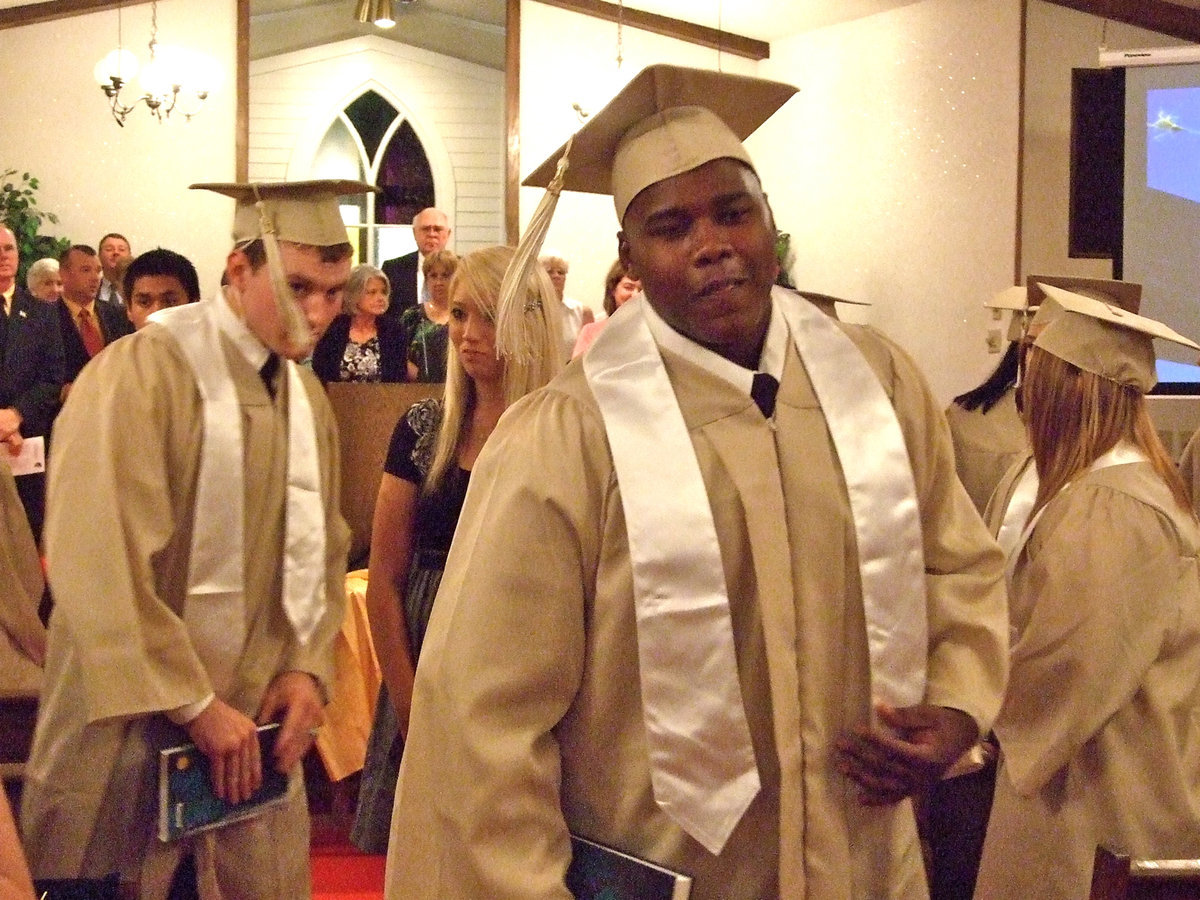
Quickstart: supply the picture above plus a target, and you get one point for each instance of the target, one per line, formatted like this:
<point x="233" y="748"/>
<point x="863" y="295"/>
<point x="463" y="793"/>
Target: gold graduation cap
<point x="814" y="297"/>
<point x="301" y="212"/>
<point x="827" y="302"/>
<point x="668" y="120"/>
<point x="1015" y="300"/>
<point x="1125" y="294"/>
<point x="1122" y="294"/>
<point x="1103" y="338"/>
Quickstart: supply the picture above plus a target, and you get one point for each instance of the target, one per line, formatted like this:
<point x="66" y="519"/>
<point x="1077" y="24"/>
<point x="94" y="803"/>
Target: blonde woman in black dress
<point x="424" y="484"/>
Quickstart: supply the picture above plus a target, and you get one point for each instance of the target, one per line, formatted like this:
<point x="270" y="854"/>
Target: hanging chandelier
<point x="175" y="80"/>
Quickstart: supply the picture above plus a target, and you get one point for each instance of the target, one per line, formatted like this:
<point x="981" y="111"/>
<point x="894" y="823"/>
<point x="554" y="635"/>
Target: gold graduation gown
<point x="1100" y="729"/>
<point x="527" y="716"/>
<point x="118" y="535"/>
<point x="21" y="631"/>
<point x="1189" y="468"/>
<point x="986" y="444"/>
<point x="1003" y="493"/>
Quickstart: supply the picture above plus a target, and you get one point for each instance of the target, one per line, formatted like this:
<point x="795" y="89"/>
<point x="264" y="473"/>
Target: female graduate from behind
<point x="1099" y="733"/>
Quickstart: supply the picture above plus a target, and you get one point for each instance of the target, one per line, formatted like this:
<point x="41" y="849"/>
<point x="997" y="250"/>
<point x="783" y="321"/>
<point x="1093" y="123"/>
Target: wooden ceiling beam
<point x="1162" y="16"/>
<point x="50" y="10"/>
<point x="1172" y="19"/>
<point x="668" y="27"/>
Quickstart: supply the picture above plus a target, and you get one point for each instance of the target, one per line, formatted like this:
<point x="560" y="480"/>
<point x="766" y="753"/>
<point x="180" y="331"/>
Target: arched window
<point x="370" y="141"/>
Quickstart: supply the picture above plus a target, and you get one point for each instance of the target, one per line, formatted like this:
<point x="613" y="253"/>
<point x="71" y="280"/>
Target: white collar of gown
<point x="215" y="611"/>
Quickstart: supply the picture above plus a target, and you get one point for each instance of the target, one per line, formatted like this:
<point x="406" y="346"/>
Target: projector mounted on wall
<point x="1154" y="56"/>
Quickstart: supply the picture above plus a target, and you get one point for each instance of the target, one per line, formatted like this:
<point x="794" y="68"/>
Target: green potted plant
<point x="787" y="258"/>
<point x="19" y="211"/>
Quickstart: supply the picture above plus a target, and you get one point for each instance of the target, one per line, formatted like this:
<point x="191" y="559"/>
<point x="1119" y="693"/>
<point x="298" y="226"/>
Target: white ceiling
<point x="765" y="20"/>
<point x="467" y="29"/>
<point x="761" y="19"/>
<point x="474" y="29"/>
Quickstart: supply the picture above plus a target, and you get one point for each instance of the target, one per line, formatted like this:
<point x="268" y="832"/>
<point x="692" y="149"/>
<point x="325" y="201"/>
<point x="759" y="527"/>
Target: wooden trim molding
<point x="1022" y="95"/>
<point x="242" y="115"/>
<point x="48" y="11"/>
<point x="1167" y="18"/>
<point x="512" y="122"/>
<point x="668" y="27"/>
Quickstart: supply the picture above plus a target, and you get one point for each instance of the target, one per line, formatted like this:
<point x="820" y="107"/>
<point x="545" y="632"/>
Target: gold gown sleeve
<point x="132" y="414"/>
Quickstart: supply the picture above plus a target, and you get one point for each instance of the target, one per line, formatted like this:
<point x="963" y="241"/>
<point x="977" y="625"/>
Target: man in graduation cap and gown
<point x="725" y="637"/>
<point x="196" y="555"/>
<point x="1098" y="732"/>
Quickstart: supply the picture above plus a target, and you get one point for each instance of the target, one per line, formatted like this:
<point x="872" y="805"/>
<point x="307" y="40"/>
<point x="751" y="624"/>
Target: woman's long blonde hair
<point x="478" y="278"/>
<point x="1075" y="417"/>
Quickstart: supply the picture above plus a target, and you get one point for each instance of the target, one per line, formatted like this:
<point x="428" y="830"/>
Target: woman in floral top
<point x="362" y="344"/>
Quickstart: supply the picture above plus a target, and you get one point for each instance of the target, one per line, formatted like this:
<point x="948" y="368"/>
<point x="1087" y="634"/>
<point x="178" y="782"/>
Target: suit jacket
<point x="113" y="324"/>
<point x="393" y="350"/>
<point x="109" y="293"/>
<point x="402" y="273"/>
<point x="31" y="363"/>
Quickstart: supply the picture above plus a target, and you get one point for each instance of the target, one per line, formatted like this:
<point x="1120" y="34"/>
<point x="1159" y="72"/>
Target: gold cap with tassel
<point x="668" y="120"/>
<point x="299" y="212"/>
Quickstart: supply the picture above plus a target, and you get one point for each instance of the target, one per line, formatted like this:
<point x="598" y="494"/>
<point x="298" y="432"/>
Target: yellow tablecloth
<point x="342" y="740"/>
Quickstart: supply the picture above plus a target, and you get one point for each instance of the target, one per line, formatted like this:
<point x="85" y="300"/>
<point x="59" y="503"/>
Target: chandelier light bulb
<point x="159" y="76"/>
<point x="203" y="75"/>
<point x="121" y="65"/>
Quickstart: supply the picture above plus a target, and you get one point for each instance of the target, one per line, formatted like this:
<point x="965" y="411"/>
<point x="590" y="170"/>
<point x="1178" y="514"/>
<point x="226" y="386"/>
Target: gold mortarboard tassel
<point x="299" y="334"/>
<point x="513" y="336"/>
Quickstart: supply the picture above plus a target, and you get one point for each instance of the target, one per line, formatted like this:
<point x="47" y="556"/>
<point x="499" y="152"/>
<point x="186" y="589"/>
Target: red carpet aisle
<point x="340" y="872"/>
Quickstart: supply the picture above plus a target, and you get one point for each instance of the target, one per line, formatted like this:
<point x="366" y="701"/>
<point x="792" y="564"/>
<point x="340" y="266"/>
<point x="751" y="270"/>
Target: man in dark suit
<point x="31" y="372"/>
<point x="431" y="228"/>
<point x="86" y="326"/>
<point x="114" y="255"/>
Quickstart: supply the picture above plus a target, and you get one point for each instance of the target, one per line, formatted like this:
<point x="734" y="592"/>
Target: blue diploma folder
<point x="187" y="802"/>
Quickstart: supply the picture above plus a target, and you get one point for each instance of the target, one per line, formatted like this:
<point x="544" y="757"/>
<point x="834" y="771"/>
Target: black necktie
<point x="268" y="371"/>
<point x="762" y="391"/>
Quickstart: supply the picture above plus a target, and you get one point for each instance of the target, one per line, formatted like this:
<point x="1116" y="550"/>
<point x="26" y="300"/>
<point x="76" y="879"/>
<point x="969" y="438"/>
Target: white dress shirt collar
<point x="771" y="360"/>
<point x="230" y="325"/>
